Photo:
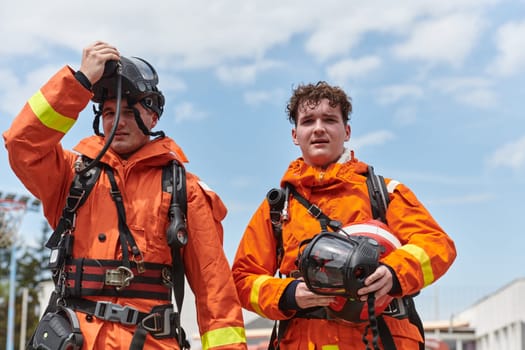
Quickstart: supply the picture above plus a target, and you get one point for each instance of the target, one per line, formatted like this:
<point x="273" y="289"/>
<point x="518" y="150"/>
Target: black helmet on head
<point x="139" y="83"/>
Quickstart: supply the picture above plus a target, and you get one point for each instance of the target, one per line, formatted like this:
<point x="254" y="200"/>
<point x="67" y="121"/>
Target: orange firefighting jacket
<point x="341" y="193"/>
<point x="46" y="169"/>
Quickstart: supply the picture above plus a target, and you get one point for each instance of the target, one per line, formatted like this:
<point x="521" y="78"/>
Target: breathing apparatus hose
<point x="372" y="324"/>
<point x="109" y="139"/>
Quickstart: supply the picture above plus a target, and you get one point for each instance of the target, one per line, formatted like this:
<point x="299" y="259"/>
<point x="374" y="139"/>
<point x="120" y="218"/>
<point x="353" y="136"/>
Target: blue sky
<point x="437" y="90"/>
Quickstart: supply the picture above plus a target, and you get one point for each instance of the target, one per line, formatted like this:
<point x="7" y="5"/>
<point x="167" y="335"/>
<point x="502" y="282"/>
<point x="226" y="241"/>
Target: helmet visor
<point x="324" y="264"/>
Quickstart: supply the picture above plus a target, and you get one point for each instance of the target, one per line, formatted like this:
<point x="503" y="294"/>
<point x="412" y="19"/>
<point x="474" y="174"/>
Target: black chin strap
<point x="143" y="127"/>
<point x="96" y="120"/>
<point x="138" y="120"/>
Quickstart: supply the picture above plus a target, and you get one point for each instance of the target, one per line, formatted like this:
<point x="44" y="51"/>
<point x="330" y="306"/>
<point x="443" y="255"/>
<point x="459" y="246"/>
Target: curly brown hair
<point x="310" y="95"/>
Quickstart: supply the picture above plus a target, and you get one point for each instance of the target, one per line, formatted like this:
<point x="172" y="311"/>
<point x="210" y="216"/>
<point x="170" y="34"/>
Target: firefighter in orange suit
<point x="329" y="176"/>
<point x="117" y="278"/>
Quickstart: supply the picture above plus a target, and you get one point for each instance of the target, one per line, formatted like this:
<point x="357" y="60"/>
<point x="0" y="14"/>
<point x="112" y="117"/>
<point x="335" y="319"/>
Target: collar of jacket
<point x="156" y="152"/>
<point x="305" y="177"/>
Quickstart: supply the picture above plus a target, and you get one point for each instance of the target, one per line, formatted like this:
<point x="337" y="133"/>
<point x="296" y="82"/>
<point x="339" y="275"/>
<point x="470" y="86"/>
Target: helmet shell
<point x="337" y="264"/>
<point x="139" y="81"/>
<point x="378" y="231"/>
<point x="352" y="309"/>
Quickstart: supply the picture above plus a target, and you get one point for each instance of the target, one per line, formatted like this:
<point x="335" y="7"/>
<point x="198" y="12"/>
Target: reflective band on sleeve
<point x="254" y="295"/>
<point x="424" y="261"/>
<point x="47" y="115"/>
<point x="392" y="186"/>
<point x="329" y="347"/>
<point x="223" y="336"/>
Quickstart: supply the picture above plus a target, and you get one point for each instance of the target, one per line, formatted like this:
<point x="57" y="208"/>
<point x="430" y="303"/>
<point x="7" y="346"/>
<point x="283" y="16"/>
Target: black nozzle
<point x="276" y="197"/>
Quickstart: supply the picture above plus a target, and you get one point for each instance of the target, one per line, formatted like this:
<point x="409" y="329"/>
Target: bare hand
<point x="379" y="282"/>
<point x="94" y="58"/>
<point x="306" y="298"/>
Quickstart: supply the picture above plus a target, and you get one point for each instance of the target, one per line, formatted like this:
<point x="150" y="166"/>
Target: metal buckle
<point x="120" y="277"/>
<point x="116" y="313"/>
<point x="315" y="211"/>
<point x="166" y="277"/>
<point x="161" y="325"/>
<point x="396" y="309"/>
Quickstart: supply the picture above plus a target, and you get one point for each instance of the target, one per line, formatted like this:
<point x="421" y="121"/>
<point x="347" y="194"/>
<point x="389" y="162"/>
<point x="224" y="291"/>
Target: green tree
<point x="30" y="272"/>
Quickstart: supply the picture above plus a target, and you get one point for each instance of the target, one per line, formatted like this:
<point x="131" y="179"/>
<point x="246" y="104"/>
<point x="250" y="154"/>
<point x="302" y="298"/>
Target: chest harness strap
<point x="132" y="278"/>
<point x="325" y="221"/>
<point x="126" y="238"/>
<point x="379" y="201"/>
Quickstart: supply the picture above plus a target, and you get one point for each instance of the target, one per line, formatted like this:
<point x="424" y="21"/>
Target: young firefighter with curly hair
<point x="328" y="190"/>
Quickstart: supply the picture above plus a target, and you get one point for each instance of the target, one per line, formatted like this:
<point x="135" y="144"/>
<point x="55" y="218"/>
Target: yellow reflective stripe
<point x="254" y="295"/>
<point x="47" y="115"/>
<point x="418" y="253"/>
<point x="329" y="347"/>
<point x="223" y="336"/>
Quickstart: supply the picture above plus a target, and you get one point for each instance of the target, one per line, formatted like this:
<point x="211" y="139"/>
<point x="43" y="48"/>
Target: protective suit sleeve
<point x="426" y="252"/>
<point x="219" y="312"/>
<point x="255" y="266"/>
<point x="33" y="140"/>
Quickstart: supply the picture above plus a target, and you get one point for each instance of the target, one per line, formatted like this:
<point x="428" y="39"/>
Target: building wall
<point x="499" y="319"/>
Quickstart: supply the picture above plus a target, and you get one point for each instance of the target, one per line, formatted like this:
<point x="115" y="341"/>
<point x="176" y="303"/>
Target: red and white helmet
<point x="354" y="310"/>
<point x="377" y="230"/>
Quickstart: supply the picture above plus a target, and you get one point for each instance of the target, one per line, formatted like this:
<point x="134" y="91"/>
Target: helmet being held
<point x="337" y="263"/>
<point x="133" y="79"/>
<point x="139" y="83"/>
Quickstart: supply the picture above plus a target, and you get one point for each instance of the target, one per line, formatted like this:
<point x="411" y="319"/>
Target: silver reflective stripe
<point x="392" y="186"/>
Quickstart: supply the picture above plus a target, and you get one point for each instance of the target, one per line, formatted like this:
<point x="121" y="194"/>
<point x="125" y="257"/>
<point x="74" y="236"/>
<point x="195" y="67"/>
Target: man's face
<point x="128" y="136"/>
<point x="320" y="133"/>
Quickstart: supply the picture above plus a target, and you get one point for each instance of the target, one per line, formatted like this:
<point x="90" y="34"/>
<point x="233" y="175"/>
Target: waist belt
<point x="161" y="322"/>
<point x="91" y="277"/>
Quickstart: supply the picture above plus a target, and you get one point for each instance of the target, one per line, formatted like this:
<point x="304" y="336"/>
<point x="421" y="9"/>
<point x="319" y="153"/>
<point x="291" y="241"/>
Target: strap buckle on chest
<point x="113" y="312"/>
<point x="120" y="277"/>
<point x="314" y="210"/>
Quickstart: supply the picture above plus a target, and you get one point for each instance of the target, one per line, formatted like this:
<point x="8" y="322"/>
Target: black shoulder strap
<point x="174" y="182"/>
<point x="78" y="192"/>
<point x="277" y="199"/>
<point x="379" y="198"/>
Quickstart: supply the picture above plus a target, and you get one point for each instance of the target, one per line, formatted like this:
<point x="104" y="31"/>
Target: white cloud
<point x="168" y="83"/>
<point x="394" y="93"/>
<point x="480" y="98"/>
<point x="244" y="74"/>
<point x="371" y="139"/>
<point x="476" y="92"/>
<point x="186" y="111"/>
<point x="448" y="39"/>
<point x="15" y="90"/>
<point x="510" y="41"/>
<point x="255" y="98"/>
<point x="200" y="33"/>
<point x="510" y="155"/>
<point x="352" y="68"/>
<point x="341" y="26"/>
